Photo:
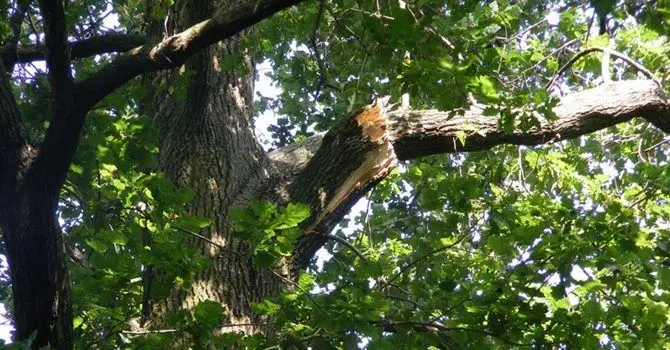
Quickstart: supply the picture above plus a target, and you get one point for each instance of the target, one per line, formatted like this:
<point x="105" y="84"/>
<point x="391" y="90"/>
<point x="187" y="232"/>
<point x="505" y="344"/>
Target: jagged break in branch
<point x="335" y="170"/>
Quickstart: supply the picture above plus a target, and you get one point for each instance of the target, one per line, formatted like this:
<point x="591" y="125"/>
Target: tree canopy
<point x="515" y="185"/>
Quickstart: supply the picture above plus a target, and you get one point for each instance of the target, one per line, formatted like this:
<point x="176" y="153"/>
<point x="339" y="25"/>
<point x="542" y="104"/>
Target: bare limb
<point x="174" y="50"/>
<point x="417" y="133"/>
<point x="348" y="245"/>
<point x="107" y="43"/>
<point x="57" y="55"/>
<point x="421" y="133"/>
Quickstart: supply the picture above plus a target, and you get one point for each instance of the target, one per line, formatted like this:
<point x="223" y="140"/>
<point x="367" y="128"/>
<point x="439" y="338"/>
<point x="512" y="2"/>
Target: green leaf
<point x="292" y="215"/>
<point x="209" y="314"/>
<point x="486" y="86"/>
<point x="265" y="307"/>
<point x="97" y="245"/>
<point x="264" y="258"/>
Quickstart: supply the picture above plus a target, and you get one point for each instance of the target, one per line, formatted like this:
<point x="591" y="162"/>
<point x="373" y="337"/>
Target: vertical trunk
<point x="40" y="282"/>
<point x="206" y="143"/>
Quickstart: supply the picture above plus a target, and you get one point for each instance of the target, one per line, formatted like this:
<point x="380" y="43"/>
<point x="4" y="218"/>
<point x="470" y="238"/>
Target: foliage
<point x="565" y="245"/>
<point x="270" y="232"/>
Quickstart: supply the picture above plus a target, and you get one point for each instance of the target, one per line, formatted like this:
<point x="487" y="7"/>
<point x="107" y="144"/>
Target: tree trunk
<point x="34" y="242"/>
<point x="206" y="143"/>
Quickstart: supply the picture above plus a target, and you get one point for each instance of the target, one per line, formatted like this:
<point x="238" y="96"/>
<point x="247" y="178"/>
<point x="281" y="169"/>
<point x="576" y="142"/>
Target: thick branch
<point x="600" y="108"/>
<point x="15" y="22"/>
<point x="107" y="43"/>
<point x="352" y="157"/>
<point x="62" y="137"/>
<point x="12" y="134"/>
<point x="57" y="55"/>
<point x="419" y="133"/>
<point x="173" y="51"/>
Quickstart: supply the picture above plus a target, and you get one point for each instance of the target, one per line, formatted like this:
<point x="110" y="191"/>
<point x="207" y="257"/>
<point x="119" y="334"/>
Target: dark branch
<point x="15" y="22"/>
<point x="345" y="243"/>
<point x="57" y="55"/>
<point x="106" y="43"/>
<point x="12" y="132"/>
<point x="72" y="104"/>
<point x="173" y="51"/>
<point x="47" y="173"/>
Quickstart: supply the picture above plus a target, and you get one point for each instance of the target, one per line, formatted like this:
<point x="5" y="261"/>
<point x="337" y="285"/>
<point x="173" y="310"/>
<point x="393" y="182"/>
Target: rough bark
<point x="206" y="143"/>
<point x="40" y="282"/>
<point x="31" y="177"/>
<point x="333" y="171"/>
<point x="28" y="198"/>
<point x="173" y="50"/>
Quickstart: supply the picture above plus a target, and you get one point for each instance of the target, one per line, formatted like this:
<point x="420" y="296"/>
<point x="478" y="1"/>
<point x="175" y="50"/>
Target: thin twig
<point x="546" y="57"/>
<point x="315" y="48"/>
<point x="414" y="262"/>
<point x="152" y="331"/>
<point x="371" y="14"/>
<point x="505" y="40"/>
<point x="309" y="296"/>
<point x="617" y="54"/>
<point x="348" y="245"/>
<point x="664" y="141"/>
<point x="527" y="29"/>
<point x="337" y="21"/>
<point x="197" y="235"/>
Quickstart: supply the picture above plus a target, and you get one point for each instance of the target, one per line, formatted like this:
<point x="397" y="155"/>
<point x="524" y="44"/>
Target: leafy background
<point x="564" y="245"/>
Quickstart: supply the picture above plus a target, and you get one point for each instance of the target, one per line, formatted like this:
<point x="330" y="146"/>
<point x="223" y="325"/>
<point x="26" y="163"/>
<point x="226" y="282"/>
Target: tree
<point x="143" y="210"/>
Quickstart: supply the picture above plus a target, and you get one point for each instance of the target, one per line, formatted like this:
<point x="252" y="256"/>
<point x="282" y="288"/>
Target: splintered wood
<point x="378" y="161"/>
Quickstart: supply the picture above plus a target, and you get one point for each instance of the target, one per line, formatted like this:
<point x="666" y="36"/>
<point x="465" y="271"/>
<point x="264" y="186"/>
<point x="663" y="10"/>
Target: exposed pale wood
<point x="417" y="133"/>
<point x="327" y="168"/>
